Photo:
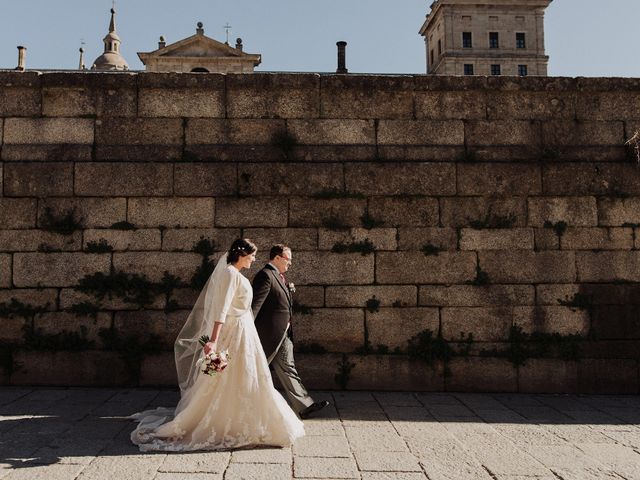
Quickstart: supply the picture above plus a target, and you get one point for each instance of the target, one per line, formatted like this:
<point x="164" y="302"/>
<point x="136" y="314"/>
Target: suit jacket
<point x="272" y="308"/>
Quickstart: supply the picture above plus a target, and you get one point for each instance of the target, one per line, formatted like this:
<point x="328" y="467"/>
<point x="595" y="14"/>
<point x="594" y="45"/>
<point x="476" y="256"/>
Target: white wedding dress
<point x="238" y="407"/>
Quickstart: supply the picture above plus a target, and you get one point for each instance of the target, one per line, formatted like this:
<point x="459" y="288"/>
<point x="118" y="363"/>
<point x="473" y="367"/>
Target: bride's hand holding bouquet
<point x="212" y="362"/>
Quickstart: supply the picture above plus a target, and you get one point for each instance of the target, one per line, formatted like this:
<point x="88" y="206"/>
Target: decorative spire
<point x="111" y="59"/>
<point x="112" y="24"/>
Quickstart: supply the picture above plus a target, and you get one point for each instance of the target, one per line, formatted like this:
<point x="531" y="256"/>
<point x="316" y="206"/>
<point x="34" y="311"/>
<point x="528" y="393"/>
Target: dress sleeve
<point x="225" y="291"/>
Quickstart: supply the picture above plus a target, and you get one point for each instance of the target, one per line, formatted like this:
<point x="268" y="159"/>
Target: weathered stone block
<point x="331" y="212"/>
<point x="38" y="131"/>
<point x="382" y="238"/>
<point x="158" y="370"/>
<point x="32" y="240"/>
<point x="318" y="371"/>
<point x="288" y="178"/>
<point x="185" y="239"/>
<point x="485" y="324"/>
<point x="232" y="131"/>
<point x="354" y="296"/>
<point x="182" y="102"/>
<point x="336" y="329"/>
<point x="17" y="212"/>
<point x="34" y="179"/>
<point x="481" y="374"/>
<point x="552" y="319"/>
<point x="91" y="212"/>
<point x="20" y="95"/>
<point x="264" y="95"/>
<point x="154" y="264"/>
<point x="333" y="132"/>
<point x="476" y="296"/>
<point x="616" y="212"/>
<point x="122" y="240"/>
<point x="401" y="179"/>
<point x="444" y="268"/>
<point x="47" y="153"/>
<point x="67" y="102"/>
<point x="608" y="376"/>
<point x="574" y="211"/>
<point x="295" y="238"/>
<point x="12" y="330"/>
<point x="203" y="179"/>
<point x="146" y="323"/>
<point x="546" y="239"/>
<point x="548" y="375"/>
<point x="418" y="238"/>
<point x="251" y="212"/>
<point x="417" y="212"/>
<point x="394" y="372"/>
<point x="364" y="96"/>
<point x="310" y="296"/>
<point x="492" y="211"/>
<point x="70" y="297"/>
<point x="316" y="268"/>
<point x="596" y="294"/>
<point x="394" y="327"/>
<point x="616" y="180"/>
<point x="126" y="179"/>
<point x="5" y="270"/>
<point x="530" y="105"/>
<point x="502" y="133"/>
<point x="85" y="368"/>
<point x="45" y="298"/>
<point x="597" y="239"/>
<point x="418" y="132"/>
<point x="439" y="104"/>
<point x="56" y="269"/>
<point x="171" y="212"/>
<point x="607" y="105"/>
<point x="499" y="179"/>
<point x="616" y="322"/>
<point x="608" y="266"/>
<point x="139" y="131"/>
<point x="578" y="133"/>
<point x="528" y="267"/>
<point x="56" y="322"/>
<point x="496" y="239"/>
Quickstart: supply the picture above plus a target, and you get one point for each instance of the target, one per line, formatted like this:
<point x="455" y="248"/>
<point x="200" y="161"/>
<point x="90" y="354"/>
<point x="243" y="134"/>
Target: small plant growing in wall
<point x="333" y="222"/>
<point x="633" y="144"/>
<point x="482" y="278"/>
<point x="344" y="372"/>
<point x="364" y="247"/>
<point x="430" y="250"/>
<point x="65" y="224"/>
<point x="101" y="246"/>
<point x="368" y="222"/>
<point x="559" y="227"/>
<point x="205" y="247"/>
<point x="373" y="305"/>
<point x="430" y="349"/>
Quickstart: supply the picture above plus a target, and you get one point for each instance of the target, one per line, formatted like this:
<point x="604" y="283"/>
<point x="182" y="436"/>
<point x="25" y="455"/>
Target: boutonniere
<point x="292" y="287"/>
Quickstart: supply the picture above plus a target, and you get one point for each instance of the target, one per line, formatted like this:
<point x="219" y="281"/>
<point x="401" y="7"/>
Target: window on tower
<point x="468" y="68"/>
<point x="495" y="70"/>
<point x="466" y="40"/>
<point x="522" y="70"/>
<point x="521" y="40"/>
<point x="494" y="40"/>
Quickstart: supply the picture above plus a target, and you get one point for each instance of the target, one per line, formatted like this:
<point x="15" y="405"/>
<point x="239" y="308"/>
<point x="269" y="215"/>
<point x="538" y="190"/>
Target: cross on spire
<point x="227" y="27"/>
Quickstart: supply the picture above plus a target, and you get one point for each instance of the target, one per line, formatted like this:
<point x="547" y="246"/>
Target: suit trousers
<point x="285" y="369"/>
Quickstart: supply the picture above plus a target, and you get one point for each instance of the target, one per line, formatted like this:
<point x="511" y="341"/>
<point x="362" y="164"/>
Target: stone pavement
<point x="70" y="433"/>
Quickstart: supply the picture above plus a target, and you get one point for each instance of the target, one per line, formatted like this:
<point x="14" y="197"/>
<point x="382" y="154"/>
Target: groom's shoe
<point x="313" y="408"/>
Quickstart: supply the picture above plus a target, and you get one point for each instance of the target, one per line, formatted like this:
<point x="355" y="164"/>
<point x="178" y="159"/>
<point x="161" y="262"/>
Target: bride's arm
<point x="211" y="344"/>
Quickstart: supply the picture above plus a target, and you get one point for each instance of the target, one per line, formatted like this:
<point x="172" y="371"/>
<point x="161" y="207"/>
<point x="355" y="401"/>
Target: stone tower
<point x="111" y="59"/>
<point x="486" y="37"/>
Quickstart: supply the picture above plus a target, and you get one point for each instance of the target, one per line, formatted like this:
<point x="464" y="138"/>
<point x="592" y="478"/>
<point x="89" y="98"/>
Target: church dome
<point x="111" y="58"/>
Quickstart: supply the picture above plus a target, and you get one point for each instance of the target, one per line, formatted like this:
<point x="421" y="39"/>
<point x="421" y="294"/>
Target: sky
<point x="583" y="37"/>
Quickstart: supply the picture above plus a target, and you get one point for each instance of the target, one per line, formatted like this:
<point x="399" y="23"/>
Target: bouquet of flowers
<point x="213" y="362"/>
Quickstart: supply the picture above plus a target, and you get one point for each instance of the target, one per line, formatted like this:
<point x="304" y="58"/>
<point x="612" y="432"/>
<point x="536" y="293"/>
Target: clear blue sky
<point x="584" y="37"/>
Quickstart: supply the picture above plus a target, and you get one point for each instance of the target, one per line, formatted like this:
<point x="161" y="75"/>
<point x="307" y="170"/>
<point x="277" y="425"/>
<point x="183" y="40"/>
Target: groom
<point x="271" y="307"/>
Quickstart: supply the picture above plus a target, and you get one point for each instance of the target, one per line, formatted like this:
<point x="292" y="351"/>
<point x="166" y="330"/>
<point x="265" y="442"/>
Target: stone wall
<point x="500" y="214"/>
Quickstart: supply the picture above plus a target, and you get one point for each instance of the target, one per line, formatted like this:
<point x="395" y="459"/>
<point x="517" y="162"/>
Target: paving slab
<point x="84" y="434"/>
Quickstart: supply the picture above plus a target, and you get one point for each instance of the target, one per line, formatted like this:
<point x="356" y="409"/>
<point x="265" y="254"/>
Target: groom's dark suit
<point x="272" y="308"/>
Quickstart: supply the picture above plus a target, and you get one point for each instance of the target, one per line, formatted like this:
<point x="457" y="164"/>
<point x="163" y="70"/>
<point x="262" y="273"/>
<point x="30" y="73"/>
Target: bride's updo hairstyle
<point x="240" y="248"/>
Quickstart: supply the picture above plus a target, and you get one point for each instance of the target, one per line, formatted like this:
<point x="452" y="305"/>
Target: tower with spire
<point x="111" y="59"/>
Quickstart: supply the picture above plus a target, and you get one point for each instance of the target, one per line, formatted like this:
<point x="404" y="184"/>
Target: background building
<point x="199" y="53"/>
<point x="482" y="37"/>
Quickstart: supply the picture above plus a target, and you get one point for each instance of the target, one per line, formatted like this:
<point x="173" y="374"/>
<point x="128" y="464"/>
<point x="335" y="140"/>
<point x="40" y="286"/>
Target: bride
<point x="237" y="407"/>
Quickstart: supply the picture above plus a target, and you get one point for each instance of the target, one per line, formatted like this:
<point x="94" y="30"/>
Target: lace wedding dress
<point x="238" y="407"/>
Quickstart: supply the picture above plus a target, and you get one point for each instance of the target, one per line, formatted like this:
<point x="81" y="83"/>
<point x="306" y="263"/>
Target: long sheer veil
<point x="187" y="348"/>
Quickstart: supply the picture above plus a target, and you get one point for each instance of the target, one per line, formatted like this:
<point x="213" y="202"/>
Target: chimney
<point x="239" y="44"/>
<point x="81" y="65"/>
<point x="342" y="57"/>
<point x="22" y="53"/>
<point x="162" y="43"/>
